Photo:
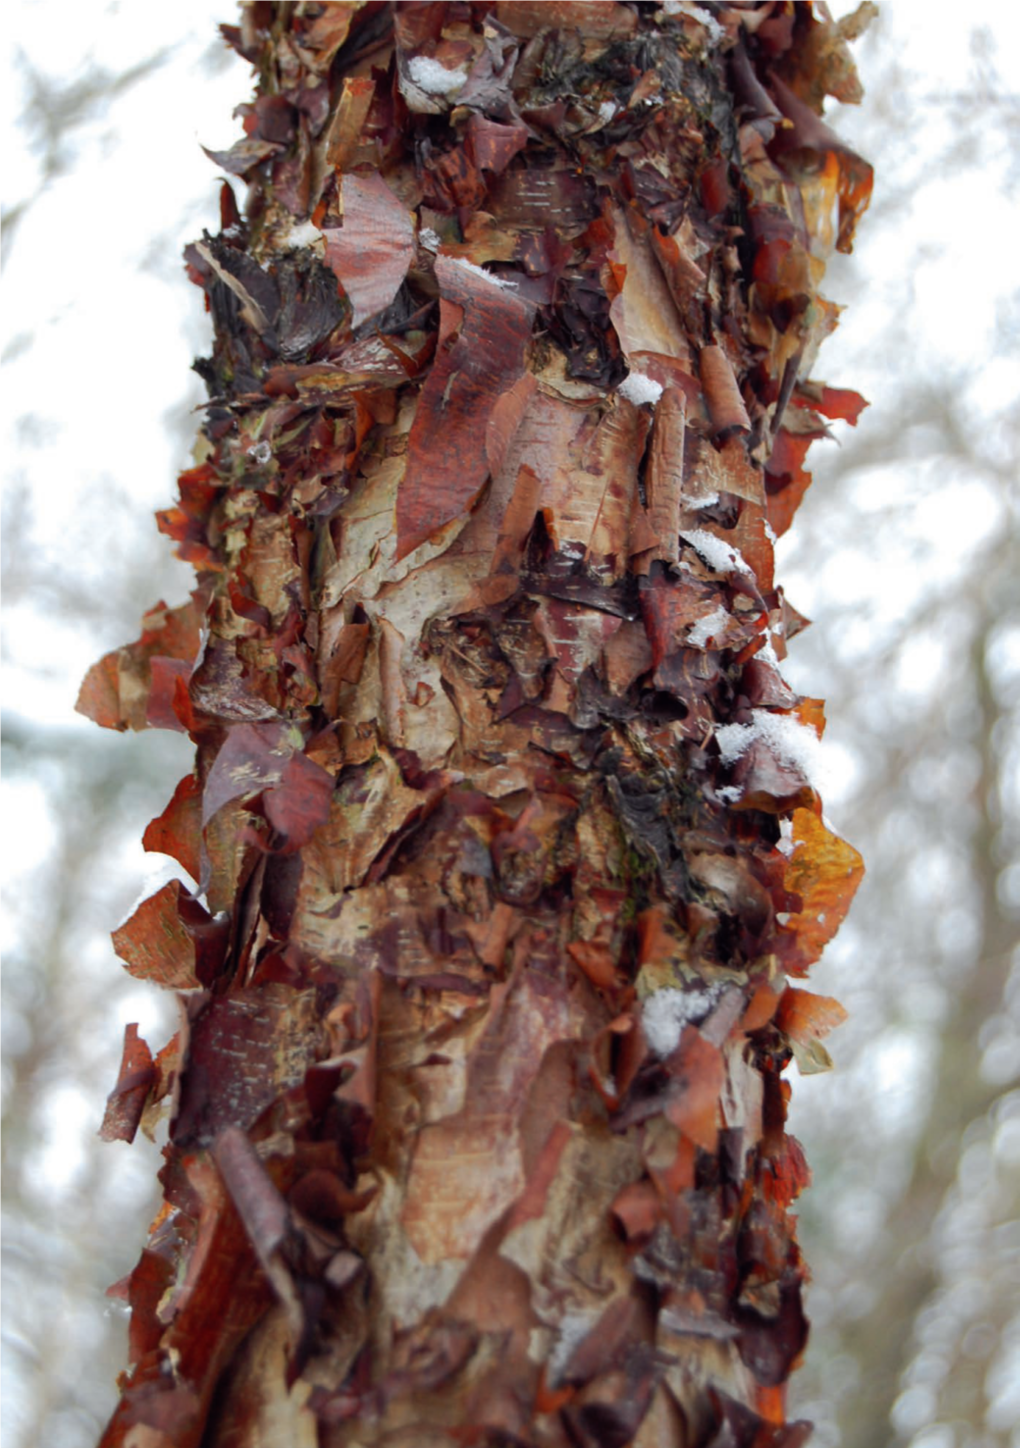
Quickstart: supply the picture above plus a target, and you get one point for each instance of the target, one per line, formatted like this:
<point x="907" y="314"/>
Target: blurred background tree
<point x="905" y="555"/>
<point x="104" y="183"/>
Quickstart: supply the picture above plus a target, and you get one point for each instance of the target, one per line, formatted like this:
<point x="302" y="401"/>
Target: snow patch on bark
<point x="704" y="500"/>
<point x="703" y="17"/>
<point x="793" y="743"/>
<point x="638" y="388"/>
<point x="707" y="628"/>
<point x="729" y="793"/>
<point x="304" y="233"/>
<point x="574" y="1328"/>
<point x="433" y="78"/>
<point x="667" y="1011"/>
<point x="480" y="271"/>
<point x="721" y="557"/>
<point x="734" y="740"/>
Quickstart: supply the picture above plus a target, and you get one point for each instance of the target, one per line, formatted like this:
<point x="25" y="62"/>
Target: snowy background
<point x="905" y="554"/>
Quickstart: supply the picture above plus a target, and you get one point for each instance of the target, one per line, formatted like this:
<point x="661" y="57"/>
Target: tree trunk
<point x="501" y="815"/>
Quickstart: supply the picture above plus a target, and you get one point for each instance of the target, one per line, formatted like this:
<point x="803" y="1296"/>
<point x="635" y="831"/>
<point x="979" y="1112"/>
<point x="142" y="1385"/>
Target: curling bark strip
<point x="502" y="824"/>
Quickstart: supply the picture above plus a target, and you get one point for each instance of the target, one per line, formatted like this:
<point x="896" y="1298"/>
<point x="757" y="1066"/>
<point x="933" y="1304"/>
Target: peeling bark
<point x="502" y="822"/>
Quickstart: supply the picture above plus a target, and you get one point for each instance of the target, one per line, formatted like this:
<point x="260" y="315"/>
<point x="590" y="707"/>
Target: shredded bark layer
<point x="503" y="826"/>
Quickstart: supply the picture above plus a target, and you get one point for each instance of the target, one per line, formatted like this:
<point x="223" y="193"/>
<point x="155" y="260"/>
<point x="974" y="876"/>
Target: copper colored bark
<point x="501" y="822"/>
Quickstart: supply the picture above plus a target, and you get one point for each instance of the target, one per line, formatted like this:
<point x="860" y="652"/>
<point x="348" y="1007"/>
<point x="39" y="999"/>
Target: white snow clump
<point x="667" y="1011"/>
<point x="305" y="233"/>
<point x="721" y="557"/>
<point x="703" y="17"/>
<point x="793" y="743"/>
<point x="433" y="78"/>
<point x="703" y="500"/>
<point x="729" y="794"/>
<point x="734" y="740"/>
<point x="708" y="627"/>
<point x="786" y="844"/>
<point x="479" y="271"/>
<point x="573" y="1329"/>
<point x="638" y="388"/>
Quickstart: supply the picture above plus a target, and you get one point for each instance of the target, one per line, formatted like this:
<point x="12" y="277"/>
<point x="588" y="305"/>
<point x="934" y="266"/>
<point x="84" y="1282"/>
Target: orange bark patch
<point x="825" y="872"/>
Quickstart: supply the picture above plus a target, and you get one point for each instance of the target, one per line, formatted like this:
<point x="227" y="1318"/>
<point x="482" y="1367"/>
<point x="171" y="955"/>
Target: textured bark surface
<point x="502" y="817"/>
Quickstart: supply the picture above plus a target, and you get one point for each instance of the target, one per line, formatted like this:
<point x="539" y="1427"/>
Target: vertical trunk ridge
<point x="502" y="817"/>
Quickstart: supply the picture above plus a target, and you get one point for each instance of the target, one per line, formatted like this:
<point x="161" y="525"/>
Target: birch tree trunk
<point x="502" y="819"/>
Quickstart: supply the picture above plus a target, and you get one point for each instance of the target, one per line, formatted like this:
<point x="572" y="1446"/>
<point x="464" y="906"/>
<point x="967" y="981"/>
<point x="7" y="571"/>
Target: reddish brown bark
<point x="501" y="819"/>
